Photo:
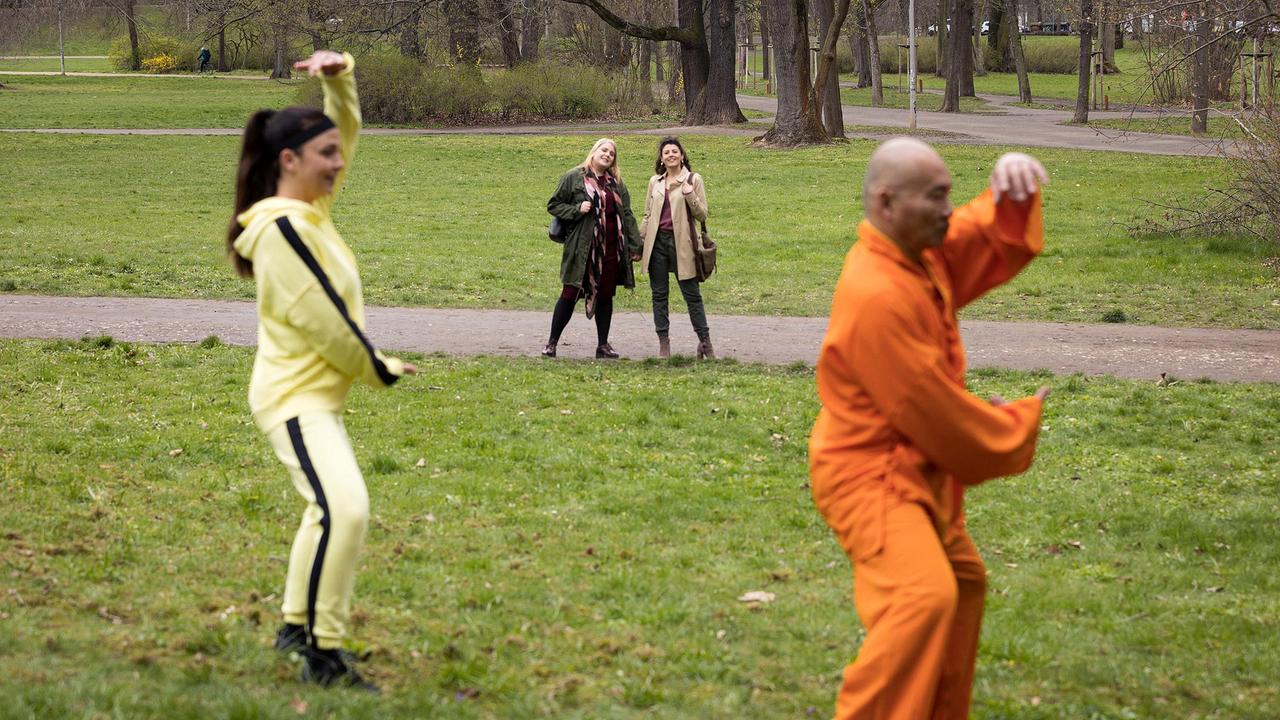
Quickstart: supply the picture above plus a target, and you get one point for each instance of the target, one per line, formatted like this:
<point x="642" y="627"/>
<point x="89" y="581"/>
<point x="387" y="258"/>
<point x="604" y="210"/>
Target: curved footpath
<point x="1013" y="125"/>
<point x="1138" y="352"/>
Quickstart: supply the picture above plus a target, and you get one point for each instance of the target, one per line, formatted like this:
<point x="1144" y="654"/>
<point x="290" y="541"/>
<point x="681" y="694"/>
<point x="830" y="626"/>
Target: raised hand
<point x="1017" y="176"/>
<point x="322" y="61"/>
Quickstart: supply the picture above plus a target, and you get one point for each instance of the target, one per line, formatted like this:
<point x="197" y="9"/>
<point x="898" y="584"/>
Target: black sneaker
<point x="333" y="668"/>
<point x="291" y="638"/>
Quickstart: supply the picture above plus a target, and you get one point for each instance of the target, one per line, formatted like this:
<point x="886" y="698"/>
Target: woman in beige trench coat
<point x="674" y="192"/>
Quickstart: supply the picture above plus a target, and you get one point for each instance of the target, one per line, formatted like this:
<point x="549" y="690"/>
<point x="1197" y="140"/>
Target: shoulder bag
<point x="704" y="248"/>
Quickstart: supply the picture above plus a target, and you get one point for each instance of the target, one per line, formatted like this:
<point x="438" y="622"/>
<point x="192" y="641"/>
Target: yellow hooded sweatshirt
<point x="311" y="341"/>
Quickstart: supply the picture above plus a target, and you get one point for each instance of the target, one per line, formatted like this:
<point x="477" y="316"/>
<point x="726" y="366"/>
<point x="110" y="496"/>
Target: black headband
<point x="298" y="139"/>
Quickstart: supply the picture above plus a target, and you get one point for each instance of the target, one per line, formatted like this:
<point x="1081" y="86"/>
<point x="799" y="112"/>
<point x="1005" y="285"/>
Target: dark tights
<point x="564" y="311"/>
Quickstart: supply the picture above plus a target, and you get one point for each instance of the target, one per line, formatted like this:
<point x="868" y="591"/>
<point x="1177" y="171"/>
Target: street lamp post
<point x="911" y="52"/>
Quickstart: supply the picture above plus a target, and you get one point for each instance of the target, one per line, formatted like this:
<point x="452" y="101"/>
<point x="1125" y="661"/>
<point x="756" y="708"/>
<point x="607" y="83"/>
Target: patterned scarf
<point x="597" y="253"/>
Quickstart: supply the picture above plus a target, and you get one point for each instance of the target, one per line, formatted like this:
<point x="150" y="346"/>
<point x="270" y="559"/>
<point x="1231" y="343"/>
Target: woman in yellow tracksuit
<point x="311" y="347"/>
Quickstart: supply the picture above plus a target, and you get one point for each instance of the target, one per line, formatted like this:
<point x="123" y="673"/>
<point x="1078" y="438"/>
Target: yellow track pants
<point x="322" y="565"/>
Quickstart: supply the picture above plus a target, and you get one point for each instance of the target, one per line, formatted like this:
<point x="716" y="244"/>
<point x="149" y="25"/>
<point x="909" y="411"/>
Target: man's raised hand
<point x="1017" y="176"/>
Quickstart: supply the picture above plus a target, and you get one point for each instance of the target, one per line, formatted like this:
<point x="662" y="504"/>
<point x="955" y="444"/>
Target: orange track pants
<point x="920" y="596"/>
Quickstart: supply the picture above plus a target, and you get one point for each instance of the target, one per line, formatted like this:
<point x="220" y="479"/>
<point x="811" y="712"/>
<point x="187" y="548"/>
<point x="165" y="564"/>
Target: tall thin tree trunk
<point x="943" y="35"/>
<point x="646" y="71"/>
<point x="135" y="58"/>
<point x="832" y="116"/>
<point x="1200" y="72"/>
<point x="1019" y="58"/>
<point x="1107" y="39"/>
<point x="280" y="68"/>
<point x="1085" y="29"/>
<point x="659" y="74"/>
<point x="873" y="46"/>
<point x="765" y="42"/>
<point x="222" y="43"/>
<point x="532" y="24"/>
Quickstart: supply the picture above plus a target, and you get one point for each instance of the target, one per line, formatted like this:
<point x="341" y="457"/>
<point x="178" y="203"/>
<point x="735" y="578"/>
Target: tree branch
<point x="681" y="35"/>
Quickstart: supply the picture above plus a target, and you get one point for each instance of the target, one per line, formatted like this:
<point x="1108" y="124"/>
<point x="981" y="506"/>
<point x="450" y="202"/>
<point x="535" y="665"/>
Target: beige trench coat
<point x="697" y="200"/>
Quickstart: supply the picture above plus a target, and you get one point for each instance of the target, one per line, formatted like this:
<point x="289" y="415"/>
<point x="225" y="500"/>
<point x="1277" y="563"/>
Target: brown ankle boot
<point x="705" y="351"/>
<point x="664" y="346"/>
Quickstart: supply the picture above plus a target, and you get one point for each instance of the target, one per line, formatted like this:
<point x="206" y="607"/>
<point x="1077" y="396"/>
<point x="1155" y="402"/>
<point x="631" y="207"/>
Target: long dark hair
<point x="259" y="168"/>
<point x="658" y="167"/>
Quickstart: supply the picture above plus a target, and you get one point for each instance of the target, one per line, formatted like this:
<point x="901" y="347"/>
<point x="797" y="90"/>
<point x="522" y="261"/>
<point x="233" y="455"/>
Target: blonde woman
<point x="675" y="192"/>
<point x="600" y="244"/>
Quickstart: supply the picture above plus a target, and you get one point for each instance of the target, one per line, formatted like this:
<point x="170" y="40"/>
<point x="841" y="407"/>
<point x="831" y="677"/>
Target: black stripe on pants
<point x="313" y="586"/>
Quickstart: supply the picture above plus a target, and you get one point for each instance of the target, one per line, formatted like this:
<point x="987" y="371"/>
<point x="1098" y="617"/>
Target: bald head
<point x="900" y="162"/>
<point x="906" y="194"/>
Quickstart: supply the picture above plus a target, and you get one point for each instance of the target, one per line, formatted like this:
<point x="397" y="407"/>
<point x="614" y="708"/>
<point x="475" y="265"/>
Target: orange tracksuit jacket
<point x="896" y="422"/>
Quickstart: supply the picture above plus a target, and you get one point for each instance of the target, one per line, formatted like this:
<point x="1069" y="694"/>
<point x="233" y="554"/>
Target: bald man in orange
<point x="899" y="438"/>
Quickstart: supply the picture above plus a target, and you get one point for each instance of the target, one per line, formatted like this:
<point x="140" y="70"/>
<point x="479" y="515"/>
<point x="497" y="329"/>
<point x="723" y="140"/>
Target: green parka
<point x="564" y="204"/>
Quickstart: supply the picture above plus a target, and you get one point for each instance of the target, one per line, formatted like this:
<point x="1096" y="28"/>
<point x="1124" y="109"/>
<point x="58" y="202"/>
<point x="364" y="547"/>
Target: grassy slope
<point x="574" y="543"/>
<point x="460" y="221"/>
<point x="136" y="102"/>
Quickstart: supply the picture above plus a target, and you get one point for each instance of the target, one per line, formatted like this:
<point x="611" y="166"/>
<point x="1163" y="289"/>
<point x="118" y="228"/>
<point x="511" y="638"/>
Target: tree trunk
<point x="411" y="35"/>
<point x="959" y="56"/>
<point x="504" y="13"/>
<point x="659" y="74"/>
<point x="944" y="7"/>
<point x="720" y="102"/>
<point x="646" y="72"/>
<point x="1199" y="72"/>
<point x="532" y="24"/>
<point x="1003" y="20"/>
<point x="674" y="77"/>
<point x="766" y="72"/>
<point x="797" y="121"/>
<point x="832" y="116"/>
<point x="1107" y="38"/>
<point x="463" y="17"/>
<point x="710" y="95"/>
<point x="975" y="42"/>
<point x="1082" y="65"/>
<point x="280" y="68"/>
<point x="858" y="47"/>
<point x="222" y="43"/>
<point x="873" y="44"/>
<point x="1019" y="59"/>
<point x="135" y="59"/>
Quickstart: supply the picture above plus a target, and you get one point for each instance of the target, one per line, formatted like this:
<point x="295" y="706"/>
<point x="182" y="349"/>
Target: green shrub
<point x="553" y="91"/>
<point x="1043" y="54"/>
<point x="400" y="91"/>
<point x="926" y="55"/>
<point x="1052" y="55"/>
<point x="397" y="90"/>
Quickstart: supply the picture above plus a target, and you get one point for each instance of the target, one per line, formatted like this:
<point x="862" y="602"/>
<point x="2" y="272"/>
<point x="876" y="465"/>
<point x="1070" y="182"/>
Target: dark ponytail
<point x="259" y="168"/>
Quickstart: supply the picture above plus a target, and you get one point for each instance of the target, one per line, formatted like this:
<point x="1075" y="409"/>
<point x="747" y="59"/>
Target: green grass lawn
<point x="44" y="64"/>
<point x="460" y="221"/>
<point x="136" y="102"/>
<point x="1219" y="127"/>
<point x="573" y="540"/>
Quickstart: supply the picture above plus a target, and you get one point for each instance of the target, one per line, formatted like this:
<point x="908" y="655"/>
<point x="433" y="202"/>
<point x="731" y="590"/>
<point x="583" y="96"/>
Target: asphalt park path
<point x="1012" y="125"/>
<point x="1127" y="351"/>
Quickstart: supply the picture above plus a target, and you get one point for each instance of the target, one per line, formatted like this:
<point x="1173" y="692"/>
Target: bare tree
<point x="532" y="24"/>
<point x="707" y="62"/>
<point x="832" y="115"/>
<point x="1085" y="28"/>
<point x="798" y="120"/>
<point x="959" y="56"/>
